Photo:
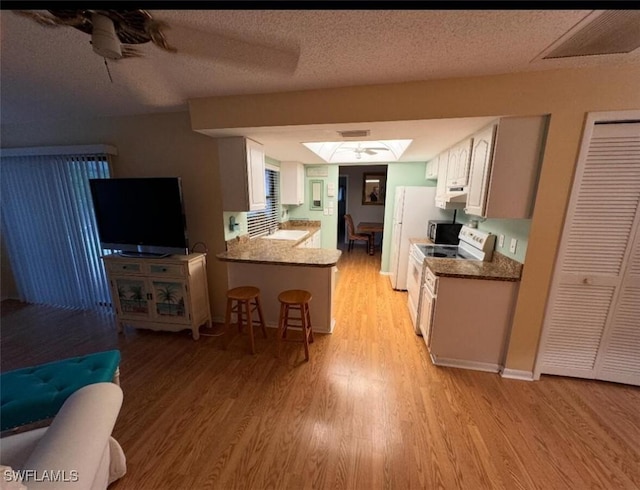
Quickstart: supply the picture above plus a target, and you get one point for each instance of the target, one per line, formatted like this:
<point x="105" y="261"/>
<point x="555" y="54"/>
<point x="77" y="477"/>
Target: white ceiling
<point x="53" y="74"/>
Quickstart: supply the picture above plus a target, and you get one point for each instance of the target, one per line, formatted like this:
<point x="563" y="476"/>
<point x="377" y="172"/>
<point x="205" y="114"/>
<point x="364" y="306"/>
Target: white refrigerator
<point x="413" y="208"/>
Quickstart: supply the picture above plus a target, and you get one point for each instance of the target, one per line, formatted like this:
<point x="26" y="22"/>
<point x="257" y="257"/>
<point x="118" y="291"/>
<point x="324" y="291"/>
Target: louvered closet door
<point x="619" y="358"/>
<point x="592" y="323"/>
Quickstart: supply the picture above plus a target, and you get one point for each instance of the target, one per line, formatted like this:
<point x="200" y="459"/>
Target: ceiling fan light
<point x="104" y="39"/>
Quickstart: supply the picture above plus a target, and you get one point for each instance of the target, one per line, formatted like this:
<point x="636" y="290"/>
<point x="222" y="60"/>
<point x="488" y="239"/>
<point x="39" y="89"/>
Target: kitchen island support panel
<point x="273" y="279"/>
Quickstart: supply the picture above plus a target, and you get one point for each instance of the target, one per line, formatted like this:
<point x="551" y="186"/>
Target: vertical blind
<point x="259" y="222"/>
<point x="49" y="228"/>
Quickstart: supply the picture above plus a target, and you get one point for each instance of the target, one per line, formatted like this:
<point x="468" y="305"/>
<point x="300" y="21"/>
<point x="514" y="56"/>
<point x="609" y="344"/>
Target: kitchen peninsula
<point x="274" y="265"/>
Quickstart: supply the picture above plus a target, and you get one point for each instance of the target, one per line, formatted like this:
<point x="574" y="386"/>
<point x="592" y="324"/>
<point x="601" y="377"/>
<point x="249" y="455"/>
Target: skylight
<point x="359" y="151"/>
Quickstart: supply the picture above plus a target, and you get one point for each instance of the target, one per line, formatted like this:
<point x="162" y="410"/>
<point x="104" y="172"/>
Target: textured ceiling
<point x="52" y="73"/>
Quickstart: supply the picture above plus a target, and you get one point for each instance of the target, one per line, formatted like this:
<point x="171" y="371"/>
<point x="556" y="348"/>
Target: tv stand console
<point x="167" y="293"/>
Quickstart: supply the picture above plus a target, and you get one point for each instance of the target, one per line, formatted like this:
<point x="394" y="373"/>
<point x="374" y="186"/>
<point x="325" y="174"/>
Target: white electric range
<point x="474" y="245"/>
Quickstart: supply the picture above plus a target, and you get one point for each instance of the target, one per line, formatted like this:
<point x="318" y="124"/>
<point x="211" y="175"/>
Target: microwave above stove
<point x="444" y="232"/>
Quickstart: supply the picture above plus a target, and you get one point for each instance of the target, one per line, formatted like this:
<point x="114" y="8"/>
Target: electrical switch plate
<point x="326" y="211"/>
<point x="331" y="189"/>
<point x="512" y="247"/>
<point x="501" y="241"/>
<point x="330" y="211"/>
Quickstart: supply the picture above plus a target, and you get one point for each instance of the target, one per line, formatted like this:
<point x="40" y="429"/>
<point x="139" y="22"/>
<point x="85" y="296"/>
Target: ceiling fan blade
<point x="49" y="20"/>
<point x="211" y="46"/>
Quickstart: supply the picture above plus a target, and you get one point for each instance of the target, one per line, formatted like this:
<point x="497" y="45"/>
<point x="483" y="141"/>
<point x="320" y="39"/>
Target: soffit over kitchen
<point x="430" y="137"/>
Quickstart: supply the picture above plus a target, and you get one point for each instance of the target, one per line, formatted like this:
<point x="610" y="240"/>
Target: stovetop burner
<point x="442" y="251"/>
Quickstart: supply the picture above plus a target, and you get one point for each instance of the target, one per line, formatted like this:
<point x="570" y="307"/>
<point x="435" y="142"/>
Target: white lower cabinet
<point x="314" y="241"/>
<point x="467" y="323"/>
<point x="160" y="294"/>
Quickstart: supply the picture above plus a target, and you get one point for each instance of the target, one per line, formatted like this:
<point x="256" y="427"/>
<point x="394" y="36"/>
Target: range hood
<point x="453" y="199"/>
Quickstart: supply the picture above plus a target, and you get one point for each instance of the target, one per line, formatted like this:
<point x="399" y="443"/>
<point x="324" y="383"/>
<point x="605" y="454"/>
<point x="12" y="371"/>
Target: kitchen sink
<point x="287" y="235"/>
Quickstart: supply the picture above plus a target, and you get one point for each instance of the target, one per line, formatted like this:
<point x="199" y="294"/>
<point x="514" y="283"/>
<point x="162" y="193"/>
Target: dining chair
<point x="352" y="236"/>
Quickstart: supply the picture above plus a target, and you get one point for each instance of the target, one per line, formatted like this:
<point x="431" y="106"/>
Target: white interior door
<point x="619" y="358"/>
<point x="591" y="326"/>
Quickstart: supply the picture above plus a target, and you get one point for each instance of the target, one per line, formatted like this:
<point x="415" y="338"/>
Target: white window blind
<point x="49" y="228"/>
<point x="260" y="222"/>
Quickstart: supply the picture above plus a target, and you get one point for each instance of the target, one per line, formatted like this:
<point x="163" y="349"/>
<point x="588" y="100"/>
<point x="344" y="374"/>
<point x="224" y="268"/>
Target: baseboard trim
<point x="460" y="363"/>
<point x="517" y="374"/>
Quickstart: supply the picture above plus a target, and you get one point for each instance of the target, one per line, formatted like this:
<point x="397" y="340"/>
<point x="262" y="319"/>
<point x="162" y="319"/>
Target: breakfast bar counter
<point x="275" y="265"/>
<point x="282" y="252"/>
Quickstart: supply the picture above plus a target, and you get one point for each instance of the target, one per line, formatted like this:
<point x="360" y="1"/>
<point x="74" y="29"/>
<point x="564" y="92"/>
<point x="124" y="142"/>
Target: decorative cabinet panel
<point x="291" y="183"/>
<point x="481" y="154"/>
<point x="431" y="171"/>
<point x="242" y="174"/>
<point x="441" y="186"/>
<point x="160" y="294"/>
<point x="505" y="163"/>
<point x="458" y="164"/>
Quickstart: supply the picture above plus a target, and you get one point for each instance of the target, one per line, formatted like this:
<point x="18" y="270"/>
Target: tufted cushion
<point x="37" y="393"/>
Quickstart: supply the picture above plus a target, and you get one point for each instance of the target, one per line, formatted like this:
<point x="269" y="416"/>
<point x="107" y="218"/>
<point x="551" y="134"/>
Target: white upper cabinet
<point x="432" y="169"/>
<point x="458" y="165"/>
<point x="242" y="174"/>
<point x="291" y="183"/>
<point x="505" y="162"/>
<point x="481" y="154"/>
<point x="441" y="186"/>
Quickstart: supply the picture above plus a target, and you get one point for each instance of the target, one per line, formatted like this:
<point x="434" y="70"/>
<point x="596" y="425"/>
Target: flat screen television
<point x="141" y="216"/>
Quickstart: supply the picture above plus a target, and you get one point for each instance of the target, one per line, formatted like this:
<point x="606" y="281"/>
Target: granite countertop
<point x="280" y="252"/>
<point x="501" y="267"/>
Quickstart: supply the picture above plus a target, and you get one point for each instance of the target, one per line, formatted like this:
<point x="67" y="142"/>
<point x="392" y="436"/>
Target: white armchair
<point x="75" y="452"/>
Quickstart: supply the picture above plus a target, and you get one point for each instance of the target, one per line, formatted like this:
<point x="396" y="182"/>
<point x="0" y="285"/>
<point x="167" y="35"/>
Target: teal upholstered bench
<point x="36" y="393"/>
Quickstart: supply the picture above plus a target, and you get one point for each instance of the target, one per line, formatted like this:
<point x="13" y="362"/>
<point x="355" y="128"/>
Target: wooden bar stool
<point x="247" y="301"/>
<point x="295" y="300"/>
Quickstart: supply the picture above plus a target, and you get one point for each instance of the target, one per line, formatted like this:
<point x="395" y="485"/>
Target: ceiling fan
<point x="114" y="33"/>
<point x="359" y="150"/>
<point x="117" y="34"/>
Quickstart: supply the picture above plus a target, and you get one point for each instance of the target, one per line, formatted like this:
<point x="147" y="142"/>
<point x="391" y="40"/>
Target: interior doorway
<point x="342" y="207"/>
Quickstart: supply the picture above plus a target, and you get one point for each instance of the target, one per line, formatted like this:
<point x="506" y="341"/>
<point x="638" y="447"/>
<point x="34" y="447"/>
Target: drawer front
<point x="166" y="270"/>
<point x="127" y="267"/>
<point x="430" y="280"/>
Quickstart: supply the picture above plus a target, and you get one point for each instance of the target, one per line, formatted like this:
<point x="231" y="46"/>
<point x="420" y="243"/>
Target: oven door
<point x="414" y="283"/>
<point x="427" y="307"/>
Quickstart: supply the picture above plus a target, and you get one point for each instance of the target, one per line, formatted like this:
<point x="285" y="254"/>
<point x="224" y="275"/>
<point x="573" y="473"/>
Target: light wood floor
<point x="369" y="411"/>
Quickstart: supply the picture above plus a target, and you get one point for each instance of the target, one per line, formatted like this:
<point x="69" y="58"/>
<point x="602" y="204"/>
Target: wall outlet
<point x="514" y="244"/>
<point x="500" y="241"/>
